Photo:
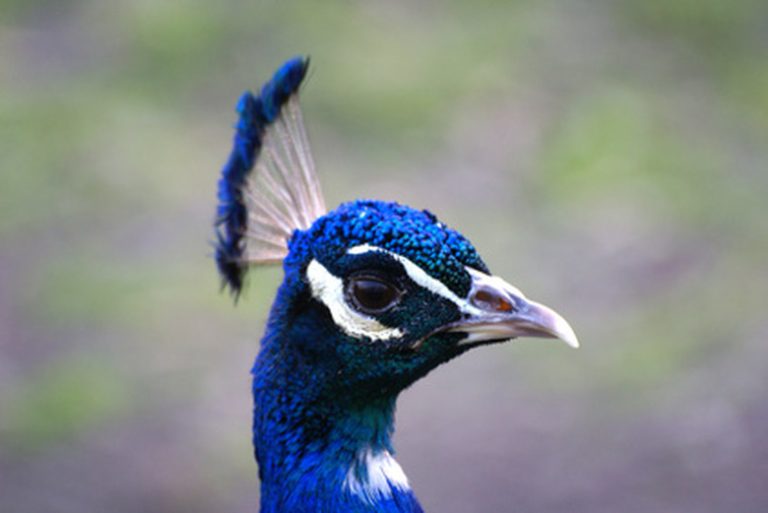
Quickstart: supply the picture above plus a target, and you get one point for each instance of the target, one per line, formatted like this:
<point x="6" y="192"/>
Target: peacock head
<point x="375" y="294"/>
<point x="396" y="293"/>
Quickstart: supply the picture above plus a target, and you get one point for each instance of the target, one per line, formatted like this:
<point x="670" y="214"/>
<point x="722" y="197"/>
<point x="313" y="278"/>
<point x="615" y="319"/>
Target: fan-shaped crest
<point x="268" y="187"/>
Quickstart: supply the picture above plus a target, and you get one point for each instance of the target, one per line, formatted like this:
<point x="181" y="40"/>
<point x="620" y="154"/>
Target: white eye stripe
<point x="421" y="278"/>
<point x="329" y="290"/>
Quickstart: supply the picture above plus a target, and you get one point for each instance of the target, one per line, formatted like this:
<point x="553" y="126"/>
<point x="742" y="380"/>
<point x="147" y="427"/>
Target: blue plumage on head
<point x="415" y="234"/>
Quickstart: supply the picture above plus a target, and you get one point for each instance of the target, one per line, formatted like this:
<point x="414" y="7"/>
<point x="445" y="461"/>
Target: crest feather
<point x="268" y="187"/>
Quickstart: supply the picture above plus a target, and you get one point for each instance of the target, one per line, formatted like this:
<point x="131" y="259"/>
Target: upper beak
<point x="497" y="311"/>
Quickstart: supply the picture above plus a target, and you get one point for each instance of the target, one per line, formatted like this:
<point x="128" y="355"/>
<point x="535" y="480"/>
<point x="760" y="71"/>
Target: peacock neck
<point x="319" y="451"/>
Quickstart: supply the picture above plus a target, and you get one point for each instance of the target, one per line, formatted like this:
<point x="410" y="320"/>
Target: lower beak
<point x="498" y="311"/>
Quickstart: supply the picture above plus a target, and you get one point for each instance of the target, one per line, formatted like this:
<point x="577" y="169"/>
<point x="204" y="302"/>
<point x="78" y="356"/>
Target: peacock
<point x="374" y="296"/>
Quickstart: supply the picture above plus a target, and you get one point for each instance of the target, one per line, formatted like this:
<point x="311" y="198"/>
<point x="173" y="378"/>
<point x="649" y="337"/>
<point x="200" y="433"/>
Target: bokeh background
<point x="608" y="157"/>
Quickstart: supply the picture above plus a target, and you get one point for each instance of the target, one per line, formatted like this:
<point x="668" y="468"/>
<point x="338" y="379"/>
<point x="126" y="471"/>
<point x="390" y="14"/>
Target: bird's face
<point x="401" y="293"/>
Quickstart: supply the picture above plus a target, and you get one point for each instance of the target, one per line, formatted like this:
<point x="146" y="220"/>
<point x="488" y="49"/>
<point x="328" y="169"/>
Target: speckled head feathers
<point x="417" y="235"/>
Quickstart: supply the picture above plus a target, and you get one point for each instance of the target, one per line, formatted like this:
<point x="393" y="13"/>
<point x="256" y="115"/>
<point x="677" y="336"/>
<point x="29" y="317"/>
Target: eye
<point x="371" y="294"/>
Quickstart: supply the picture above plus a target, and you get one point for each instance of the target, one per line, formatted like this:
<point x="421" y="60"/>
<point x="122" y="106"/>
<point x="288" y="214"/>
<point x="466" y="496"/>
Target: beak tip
<point x="564" y="332"/>
<point x="572" y="341"/>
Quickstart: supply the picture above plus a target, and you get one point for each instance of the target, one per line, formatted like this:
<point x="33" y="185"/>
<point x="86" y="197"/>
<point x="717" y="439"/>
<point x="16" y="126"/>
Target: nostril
<point x="491" y="301"/>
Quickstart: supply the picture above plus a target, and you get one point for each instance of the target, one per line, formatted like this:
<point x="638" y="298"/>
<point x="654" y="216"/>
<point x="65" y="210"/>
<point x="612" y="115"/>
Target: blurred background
<point x="609" y="158"/>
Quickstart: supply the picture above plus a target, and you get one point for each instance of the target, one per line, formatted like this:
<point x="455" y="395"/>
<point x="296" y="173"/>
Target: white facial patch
<point x="329" y="290"/>
<point x="421" y="278"/>
<point x="382" y="474"/>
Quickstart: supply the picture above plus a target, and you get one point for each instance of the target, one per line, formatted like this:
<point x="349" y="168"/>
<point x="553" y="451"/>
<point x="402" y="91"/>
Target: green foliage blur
<point x="609" y="158"/>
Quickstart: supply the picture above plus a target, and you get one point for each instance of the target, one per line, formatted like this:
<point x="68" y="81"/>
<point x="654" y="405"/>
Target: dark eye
<point x="371" y="294"/>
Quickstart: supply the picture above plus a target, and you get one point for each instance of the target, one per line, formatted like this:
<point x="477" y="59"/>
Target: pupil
<point x="373" y="294"/>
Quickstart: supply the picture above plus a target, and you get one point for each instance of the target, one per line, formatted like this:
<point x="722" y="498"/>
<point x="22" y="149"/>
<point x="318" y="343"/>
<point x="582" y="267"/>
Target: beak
<point x="497" y="311"/>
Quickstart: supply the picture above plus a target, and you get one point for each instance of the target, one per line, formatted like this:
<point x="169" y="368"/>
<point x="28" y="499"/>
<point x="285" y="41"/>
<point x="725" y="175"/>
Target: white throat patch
<point x="382" y="473"/>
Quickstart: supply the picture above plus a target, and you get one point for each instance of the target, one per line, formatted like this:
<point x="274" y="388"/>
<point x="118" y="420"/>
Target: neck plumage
<point x="319" y="450"/>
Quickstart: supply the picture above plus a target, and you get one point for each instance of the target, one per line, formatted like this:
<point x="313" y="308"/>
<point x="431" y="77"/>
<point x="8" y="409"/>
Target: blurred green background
<point x="608" y="157"/>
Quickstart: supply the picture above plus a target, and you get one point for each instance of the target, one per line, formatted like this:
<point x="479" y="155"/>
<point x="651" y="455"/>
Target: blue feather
<point x="255" y="115"/>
